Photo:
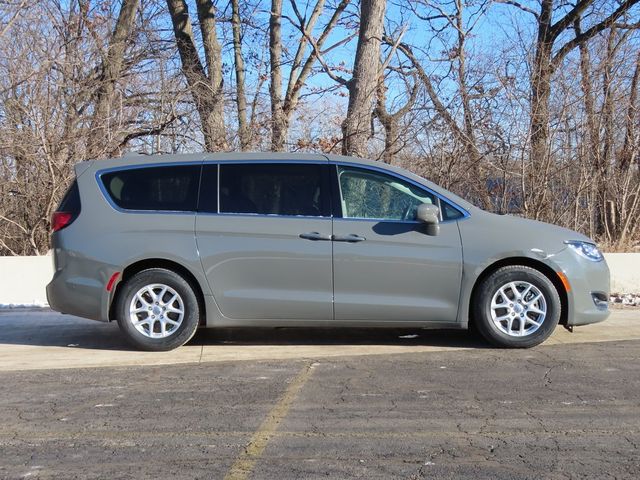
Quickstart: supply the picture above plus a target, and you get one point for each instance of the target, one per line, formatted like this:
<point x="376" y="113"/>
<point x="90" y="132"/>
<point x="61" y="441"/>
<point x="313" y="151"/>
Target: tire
<point x="516" y="320"/>
<point x="174" y="312"/>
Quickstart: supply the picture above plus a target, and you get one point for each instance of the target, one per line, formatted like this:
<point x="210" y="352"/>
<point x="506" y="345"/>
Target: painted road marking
<point x="246" y="461"/>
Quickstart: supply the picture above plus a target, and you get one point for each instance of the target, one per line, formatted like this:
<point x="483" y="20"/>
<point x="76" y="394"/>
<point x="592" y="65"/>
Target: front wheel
<point x="516" y="307"/>
<point x="157" y="310"/>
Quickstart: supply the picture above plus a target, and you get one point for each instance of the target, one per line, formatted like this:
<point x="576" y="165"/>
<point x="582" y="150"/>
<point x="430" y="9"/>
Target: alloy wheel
<point x="518" y="308"/>
<point x="156" y="311"/>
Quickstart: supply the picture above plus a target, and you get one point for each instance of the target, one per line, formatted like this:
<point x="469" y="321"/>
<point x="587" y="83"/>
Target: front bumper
<point x="589" y="282"/>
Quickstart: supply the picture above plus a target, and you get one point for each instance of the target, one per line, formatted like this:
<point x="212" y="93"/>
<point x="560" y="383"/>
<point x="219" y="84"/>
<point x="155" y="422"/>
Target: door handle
<point x="315" y="236"/>
<point x="351" y="238"/>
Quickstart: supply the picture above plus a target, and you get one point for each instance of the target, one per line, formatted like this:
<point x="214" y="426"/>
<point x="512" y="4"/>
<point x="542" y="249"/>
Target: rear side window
<point x="71" y="200"/>
<point x="170" y="188"/>
<point x="275" y="189"/>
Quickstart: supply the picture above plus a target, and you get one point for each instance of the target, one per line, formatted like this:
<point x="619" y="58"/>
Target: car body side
<point x="129" y="241"/>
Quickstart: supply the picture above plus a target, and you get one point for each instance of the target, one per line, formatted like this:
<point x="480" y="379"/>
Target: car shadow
<point x="337" y="336"/>
<point x="50" y="329"/>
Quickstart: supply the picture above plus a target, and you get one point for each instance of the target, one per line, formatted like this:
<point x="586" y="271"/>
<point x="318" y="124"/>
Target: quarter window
<point x="274" y="189"/>
<point x="170" y="188"/>
<point x="71" y="200"/>
<point x="450" y="213"/>
<point x="374" y="195"/>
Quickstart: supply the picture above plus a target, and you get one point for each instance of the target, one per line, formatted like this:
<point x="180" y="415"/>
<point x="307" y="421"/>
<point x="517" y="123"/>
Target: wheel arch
<point x="176" y="267"/>
<point x="542" y="267"/>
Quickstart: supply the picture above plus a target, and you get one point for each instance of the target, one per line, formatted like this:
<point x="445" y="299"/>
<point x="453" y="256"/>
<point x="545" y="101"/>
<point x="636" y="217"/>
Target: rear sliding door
<point x="263" y="232"/>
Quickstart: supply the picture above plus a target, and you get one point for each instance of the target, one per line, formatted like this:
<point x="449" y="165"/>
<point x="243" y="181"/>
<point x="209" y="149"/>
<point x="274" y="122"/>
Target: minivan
<point x="165" y="244"/>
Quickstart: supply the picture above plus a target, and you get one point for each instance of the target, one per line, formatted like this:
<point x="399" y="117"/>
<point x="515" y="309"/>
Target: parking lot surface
<point x="317" y="404"/>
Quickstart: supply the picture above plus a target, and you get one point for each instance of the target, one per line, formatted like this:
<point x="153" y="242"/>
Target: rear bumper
<point x="78" y="286"/>
<point x="75" y="296"/>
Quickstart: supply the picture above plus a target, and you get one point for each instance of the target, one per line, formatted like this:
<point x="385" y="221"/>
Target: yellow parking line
<point x="245" y="463"/>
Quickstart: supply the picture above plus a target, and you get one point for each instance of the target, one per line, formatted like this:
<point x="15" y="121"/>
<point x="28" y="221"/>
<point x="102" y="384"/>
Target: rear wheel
<point x="516" y="307"/>
<point x="157" y="310"/>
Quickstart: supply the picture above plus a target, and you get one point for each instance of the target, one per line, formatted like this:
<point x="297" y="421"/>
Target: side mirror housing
<point x="429" y="215"/>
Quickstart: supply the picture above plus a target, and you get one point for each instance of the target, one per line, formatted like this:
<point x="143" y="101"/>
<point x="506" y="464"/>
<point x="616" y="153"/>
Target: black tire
<point x="489" y="287"/>
<point x="174" y="339"/>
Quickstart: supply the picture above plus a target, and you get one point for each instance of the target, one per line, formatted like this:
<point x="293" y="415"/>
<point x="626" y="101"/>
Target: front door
<point x="386" y="266"/>
<point x="266" y="248"/>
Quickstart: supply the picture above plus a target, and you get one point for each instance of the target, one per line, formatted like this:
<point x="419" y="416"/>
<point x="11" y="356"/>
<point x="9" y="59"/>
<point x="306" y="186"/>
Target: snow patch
<point x="625" y="299"/>
<point x="34" y="304"/>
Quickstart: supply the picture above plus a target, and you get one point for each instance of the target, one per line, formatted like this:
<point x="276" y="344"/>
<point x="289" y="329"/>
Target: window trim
<point x="440" y="198"/>
<point x="112" y="204"/>
<point x="335" y="194"/>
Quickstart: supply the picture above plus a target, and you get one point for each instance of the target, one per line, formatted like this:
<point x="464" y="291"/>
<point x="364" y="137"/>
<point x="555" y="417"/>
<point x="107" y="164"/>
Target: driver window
<point x="374" y="195"/>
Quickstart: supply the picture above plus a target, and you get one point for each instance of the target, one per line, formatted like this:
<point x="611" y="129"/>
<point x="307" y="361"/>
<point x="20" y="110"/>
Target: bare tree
<point x="629" y="154"/>
<point x="366" y="77"/>
<point x="83" y="79"/>
<point x="390" y="120"/>
<point x="111" y="72"/>
<point x="52" y="74"/>
<point x="278" y="129"/>
<point x="241" y="99"/>
<point x="456" y="20"/>
<point x="551" y="49"/>
<point x="206" y="86"/>
<point x="301" y="65"/>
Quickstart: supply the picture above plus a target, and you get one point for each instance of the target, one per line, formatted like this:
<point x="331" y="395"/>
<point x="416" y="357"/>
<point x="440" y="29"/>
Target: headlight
<point x="585" y="249"/>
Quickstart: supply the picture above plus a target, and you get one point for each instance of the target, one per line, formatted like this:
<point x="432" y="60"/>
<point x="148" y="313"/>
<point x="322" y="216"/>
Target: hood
<point x="516" y="233"/>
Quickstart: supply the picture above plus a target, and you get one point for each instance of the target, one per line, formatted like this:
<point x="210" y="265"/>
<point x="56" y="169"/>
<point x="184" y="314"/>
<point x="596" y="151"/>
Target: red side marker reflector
<point x="112" y="281"/>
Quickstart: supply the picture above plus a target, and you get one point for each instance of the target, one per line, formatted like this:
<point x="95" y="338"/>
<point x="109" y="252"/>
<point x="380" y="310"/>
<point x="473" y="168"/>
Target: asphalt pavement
<point x="337" y="404"/>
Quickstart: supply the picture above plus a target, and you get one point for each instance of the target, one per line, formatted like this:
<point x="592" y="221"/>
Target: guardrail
<point x="23" y="279"/>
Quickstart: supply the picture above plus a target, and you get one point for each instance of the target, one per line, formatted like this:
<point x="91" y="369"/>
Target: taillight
<point x="59" y="220"/>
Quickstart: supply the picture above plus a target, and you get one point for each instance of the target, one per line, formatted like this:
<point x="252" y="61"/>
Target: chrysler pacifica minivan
<point x="166" y="244"/>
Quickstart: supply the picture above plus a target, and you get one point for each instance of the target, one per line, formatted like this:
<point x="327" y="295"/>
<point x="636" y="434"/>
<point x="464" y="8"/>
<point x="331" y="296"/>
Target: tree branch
<point x="564" y="23"/>
<point x="593" y="31"/>
<point x="520" y="6"/>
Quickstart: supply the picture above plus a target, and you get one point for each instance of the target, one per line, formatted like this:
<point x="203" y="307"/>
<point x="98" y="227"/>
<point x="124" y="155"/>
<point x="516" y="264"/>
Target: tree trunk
<point x="278" y="120"/>
<point x="606" y="217"/>
<point x="205" y="89"/>
<point x="389" y="123"/>
<point x="241" y="99"/>
<point x="111" y="71"/>
<point x="629" y="150"/>
<point x="366" y="75"/>
<point x="213" y="56"/>
<point x="592" y="151"/>
<point x="541" y="74"/>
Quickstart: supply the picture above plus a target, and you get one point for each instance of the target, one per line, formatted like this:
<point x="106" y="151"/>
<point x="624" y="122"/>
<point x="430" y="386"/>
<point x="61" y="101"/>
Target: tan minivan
<point x="164" y="244"/>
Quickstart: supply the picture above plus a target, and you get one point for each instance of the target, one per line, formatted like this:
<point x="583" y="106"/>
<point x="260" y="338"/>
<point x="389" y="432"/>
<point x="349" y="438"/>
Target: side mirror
<point x="429" y="215"/>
